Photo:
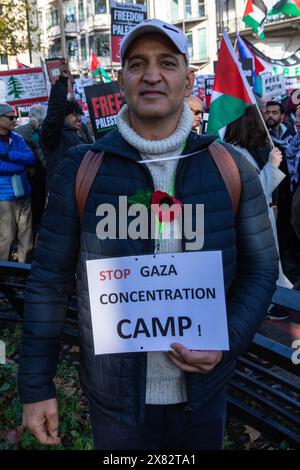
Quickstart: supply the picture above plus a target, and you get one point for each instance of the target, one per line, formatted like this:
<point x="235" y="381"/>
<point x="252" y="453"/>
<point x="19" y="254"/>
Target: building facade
<point x="86" y="26"/>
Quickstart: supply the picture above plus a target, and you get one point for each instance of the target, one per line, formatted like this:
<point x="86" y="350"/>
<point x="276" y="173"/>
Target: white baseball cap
<point x="176" y="36"/>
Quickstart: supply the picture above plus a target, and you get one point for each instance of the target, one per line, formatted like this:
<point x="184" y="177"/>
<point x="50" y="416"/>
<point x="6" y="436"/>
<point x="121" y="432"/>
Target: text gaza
<point x="145" y="271"/>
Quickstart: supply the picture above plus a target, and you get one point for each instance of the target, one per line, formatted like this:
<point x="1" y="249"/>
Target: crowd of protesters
<point x="49" y="134"/>
<point x="28" y="166"/>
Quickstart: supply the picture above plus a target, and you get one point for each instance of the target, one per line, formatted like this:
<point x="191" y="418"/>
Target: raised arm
<point x="52" y="127"/>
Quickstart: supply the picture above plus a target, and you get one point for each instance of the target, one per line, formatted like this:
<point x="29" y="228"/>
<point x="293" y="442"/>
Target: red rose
<point x="169" y="213"/>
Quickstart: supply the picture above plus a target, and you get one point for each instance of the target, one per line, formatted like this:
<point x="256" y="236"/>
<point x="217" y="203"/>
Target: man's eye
<point x="167" y="63"/>
<point x="136" y="65"/>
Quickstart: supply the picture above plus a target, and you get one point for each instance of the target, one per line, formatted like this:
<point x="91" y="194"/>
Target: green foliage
<point x="74" y="427"/>
<point x="13" y="26"/>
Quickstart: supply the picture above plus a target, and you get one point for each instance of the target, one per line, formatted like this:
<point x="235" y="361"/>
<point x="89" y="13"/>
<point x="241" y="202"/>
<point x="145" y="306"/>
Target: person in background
<point x="15" y="190"/>
<point x="31" y="133"/>
<point x="61" y="127"/>
<point x="196" y="107"/>
<point x="291" y="103"/>
<point x="274" y="120"/>
<point x="283" y="138"/>
<point x="249" y="137"/>
<point x="86" y="132"/>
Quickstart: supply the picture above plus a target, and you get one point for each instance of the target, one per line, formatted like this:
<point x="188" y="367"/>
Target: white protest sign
<point x="79" y="84"/>
<point x="23" y="86"/>
<point x="78" y="87"/>
<point x="273" y="85"/>
<point x="146" y="303"/>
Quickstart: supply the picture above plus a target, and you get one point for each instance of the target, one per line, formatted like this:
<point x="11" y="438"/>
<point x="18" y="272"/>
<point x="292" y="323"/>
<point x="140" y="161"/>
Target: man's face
<point x="8" y="121"/>
<point x="273" y="116"/>
<point x="74" y="121"/>
<point x="196" y="107"/>
<point x="155" y="78"/>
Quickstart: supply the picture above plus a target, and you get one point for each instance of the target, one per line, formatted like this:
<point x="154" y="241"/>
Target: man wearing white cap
<point x="15" y="190"/>
<point x="153" y="400"/>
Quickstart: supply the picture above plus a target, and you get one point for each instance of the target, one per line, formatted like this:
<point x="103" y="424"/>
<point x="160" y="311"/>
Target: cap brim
<point x="144" y="30"/>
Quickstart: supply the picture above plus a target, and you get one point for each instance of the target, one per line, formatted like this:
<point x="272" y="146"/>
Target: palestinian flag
<point x="97" y="70"/>
<point x="231" y="91"/>
<point x="288" y="7"/>
<point x="254" y="16"/>
<point x="101" y="72"/>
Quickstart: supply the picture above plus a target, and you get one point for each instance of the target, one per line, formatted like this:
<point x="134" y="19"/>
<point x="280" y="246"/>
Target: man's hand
<point x="194" y="361"/>
<point x="41" y="419"/>
<point x="275" y="157"/>
<point x="64" y="68"/>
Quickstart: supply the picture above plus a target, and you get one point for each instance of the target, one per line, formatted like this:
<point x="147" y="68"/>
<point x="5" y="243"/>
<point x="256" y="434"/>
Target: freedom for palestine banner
<point x="23" y="86"/>
<point x="124" y="16"/>
<point x="104" y="101"/>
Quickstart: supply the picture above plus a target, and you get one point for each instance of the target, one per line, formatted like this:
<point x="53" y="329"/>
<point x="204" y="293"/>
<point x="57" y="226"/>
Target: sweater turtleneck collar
<point x="156" y="147"/>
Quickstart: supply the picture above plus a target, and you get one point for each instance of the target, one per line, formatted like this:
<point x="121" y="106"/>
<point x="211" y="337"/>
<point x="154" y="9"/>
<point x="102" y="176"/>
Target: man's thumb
<point x="53" y="425"/>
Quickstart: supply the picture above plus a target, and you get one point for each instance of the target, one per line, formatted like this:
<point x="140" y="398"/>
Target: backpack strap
<point x="229" y="171"/>
<point x="92" y="161"/>
<point x="86" y="174"/>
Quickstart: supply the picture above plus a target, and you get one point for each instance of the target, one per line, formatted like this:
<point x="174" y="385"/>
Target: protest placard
<point x="23" y="86"/>
<point x="199" y="88"/>
<point x="53" y="70"/>
<point x="273" y="85"/>
<point x="78" y="87"/>
<point x="124" y="16"/>
<point x="104" y="102"/>
<point x="209" y="83"/>
<point x="247" y="66"/>
<point x="146" y="303"/>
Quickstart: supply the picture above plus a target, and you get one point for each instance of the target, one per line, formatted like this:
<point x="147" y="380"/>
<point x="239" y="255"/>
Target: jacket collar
<point x="113" y="142"/>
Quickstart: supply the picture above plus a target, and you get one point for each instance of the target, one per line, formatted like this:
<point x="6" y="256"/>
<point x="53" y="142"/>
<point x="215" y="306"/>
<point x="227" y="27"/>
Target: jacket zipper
<point x="188" y="408"/>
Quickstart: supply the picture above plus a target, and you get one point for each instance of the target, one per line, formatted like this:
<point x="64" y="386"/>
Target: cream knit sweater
<point x="165" y="382"/>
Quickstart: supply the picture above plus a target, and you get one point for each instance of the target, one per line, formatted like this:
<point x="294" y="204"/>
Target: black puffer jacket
<point x="56" y="136"/>
<point x="117" y="383"/>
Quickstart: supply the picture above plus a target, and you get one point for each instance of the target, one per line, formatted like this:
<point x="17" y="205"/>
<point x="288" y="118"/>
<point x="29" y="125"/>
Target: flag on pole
<point x="246" y="53"/>
<point x="254" y="16"/>
<point x="104" y="75"/>
<point x="231" y="91"/>
<point x="96" y="68"/>
<point x="288" y="7"/>
<point x="95" y="62"/>
<point x="20" y="65"/>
